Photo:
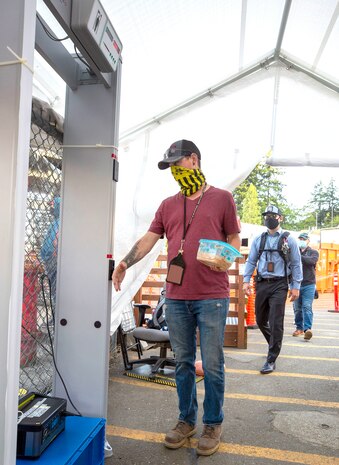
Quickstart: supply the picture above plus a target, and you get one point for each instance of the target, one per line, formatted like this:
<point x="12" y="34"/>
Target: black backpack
<point x="282" y="247"/>
<point x="158" y="320"/>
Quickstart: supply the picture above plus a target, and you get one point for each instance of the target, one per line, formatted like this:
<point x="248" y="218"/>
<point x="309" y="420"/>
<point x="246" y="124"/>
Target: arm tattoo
<point x="132" y="256"/>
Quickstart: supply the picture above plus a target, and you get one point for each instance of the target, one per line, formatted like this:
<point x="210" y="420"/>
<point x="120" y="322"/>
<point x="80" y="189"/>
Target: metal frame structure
<point x="276" y="57"/>
<point x="16" y="79"/>
<point x="87" y="218"/>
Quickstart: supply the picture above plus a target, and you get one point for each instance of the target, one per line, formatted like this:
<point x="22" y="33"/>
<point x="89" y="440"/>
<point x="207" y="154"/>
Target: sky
<point x="300" y="182"/>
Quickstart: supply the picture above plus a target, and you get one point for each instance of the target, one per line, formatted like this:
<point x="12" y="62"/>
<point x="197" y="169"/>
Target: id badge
<point x="270" y="267"/>
<point x="176" y="269"/>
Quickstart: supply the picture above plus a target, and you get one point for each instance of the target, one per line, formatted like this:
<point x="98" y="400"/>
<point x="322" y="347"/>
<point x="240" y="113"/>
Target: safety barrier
<point x="335" y="293"/>
<point x="335" y="287"/>
<point x="250" y="307"/>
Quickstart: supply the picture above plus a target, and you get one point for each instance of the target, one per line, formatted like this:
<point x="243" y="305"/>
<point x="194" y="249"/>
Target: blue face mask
<point x="302" y="244"/>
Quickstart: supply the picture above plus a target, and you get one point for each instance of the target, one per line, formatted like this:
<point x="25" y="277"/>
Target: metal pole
<point x="17" y="32"/>
<point x="83" y="306"/>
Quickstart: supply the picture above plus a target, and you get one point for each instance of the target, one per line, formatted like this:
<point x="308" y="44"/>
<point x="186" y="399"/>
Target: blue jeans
<point x="183" y="317"/>
<point x="303" y="313"/>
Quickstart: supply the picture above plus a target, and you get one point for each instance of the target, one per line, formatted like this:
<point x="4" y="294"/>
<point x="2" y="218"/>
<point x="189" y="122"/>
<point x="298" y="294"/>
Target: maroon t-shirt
<point x="215" y="219"/>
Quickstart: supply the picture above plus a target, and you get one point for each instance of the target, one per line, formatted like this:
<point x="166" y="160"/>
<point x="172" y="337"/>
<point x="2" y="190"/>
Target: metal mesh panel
<point x="41" y="246"/>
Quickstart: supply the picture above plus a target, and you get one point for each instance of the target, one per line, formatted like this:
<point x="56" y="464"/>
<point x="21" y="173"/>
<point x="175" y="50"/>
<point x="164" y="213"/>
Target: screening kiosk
<point x="90" y="167"/>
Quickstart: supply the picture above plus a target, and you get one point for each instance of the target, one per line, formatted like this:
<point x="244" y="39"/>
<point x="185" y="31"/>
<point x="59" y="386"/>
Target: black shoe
<point x="269" y="367"/>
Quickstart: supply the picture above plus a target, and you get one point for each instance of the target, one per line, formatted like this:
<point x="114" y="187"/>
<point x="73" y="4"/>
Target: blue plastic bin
<point x="81" y="443"/>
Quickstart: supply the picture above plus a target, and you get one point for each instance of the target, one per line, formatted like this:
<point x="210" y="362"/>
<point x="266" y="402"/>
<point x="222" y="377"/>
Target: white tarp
<point x="229" y="152"/>
<point x="234" y="130"/>
<point x="174" y="50"/>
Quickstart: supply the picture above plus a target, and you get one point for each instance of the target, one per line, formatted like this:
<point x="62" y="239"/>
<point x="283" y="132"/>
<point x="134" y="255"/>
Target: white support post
<point x="17" y="31"/>
<point x="85" y="241"/>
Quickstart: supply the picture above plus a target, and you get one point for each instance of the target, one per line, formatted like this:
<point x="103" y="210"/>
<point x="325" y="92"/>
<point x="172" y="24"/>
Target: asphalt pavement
<point x="289" y="416"/>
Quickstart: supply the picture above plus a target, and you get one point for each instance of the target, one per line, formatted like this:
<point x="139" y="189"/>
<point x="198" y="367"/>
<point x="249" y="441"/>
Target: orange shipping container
<point x="326" y="266"/>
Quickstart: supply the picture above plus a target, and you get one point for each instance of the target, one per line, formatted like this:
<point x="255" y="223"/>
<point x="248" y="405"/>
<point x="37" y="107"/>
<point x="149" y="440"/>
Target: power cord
<point x="35" y="339"/>
<point x="48" y="33"/>
<point x="52" y="37"/>
<point x="42" y="278"/>
<point x="89" y="69"/>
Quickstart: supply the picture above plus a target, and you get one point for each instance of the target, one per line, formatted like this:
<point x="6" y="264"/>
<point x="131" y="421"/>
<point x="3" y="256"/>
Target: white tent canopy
<point x="240" y="78"/>
<point x="178" y="49"/>
<point x="175" y="50"/>
<point x="183" y="54"/>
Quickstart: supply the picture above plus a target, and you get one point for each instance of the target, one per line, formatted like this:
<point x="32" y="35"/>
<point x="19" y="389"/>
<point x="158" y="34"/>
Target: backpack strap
<point x="261" y="247"/>
<point x="262" y="243"/>
<point x="282" y="240"/>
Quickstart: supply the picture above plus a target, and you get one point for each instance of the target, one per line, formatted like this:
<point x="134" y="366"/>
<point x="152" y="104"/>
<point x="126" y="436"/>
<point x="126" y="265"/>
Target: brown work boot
<point x="298" y="332"/>
<point x="210" y="440"/>
<point x="308" y="334"/>
<point x="178" y="435"/>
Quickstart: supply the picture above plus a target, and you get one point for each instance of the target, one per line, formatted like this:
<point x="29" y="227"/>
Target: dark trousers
<point x="270" y="303"/>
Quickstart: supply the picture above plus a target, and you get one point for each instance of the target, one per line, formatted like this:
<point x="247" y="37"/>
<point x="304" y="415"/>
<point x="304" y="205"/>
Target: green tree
<point x="321" y="211"/>
<point x="324" y="204"/>
<point x="251" y="210"/>
<point x="269" y="188"/>
<point x="294" y="218"/>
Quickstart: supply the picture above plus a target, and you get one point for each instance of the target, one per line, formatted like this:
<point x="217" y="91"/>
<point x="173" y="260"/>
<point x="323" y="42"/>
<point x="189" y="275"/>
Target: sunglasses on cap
<point x="171" y="152"/>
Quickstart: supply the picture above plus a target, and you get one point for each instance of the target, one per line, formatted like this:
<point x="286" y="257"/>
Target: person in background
<point x="279" y="271"/>
<point x="197" y="296"/>
<point x="49" y="249"/>
<point x="303" y="313"/>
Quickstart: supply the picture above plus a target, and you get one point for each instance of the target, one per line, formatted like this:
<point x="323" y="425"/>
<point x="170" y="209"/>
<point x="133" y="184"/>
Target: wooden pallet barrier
<point x="236" y="329"/>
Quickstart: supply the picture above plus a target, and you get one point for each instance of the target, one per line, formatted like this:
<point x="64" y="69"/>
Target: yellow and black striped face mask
<point x="190" y="181"/>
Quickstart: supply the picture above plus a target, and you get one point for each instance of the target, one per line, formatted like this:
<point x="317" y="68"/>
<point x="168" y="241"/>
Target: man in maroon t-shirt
<point x="197" y="296"/>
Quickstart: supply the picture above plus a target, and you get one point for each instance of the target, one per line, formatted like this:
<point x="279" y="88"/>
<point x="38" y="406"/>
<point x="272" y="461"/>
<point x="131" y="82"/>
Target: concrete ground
<point x="290" y="416"/>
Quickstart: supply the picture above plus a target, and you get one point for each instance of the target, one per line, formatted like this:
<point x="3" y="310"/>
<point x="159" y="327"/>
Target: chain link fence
<point x="41" y="246"/>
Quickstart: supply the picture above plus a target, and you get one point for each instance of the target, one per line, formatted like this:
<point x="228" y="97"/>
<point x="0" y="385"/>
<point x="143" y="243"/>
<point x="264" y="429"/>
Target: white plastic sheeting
<point x="133" y="281"/>
<point x="229" y="152"/>
<point x="234" y="130"/>
<point x="306" y="121"/>
<point x="174" y="50"/>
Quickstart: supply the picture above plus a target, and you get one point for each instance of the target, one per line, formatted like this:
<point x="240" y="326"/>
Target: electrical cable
<point x="83" y="61"/>
<point x="51" y="36"/>
<point x="50" y="338"/>
<point x="36" y="339"/>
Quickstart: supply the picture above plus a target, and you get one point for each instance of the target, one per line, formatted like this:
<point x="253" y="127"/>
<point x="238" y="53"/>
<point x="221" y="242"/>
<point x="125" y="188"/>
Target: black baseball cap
<point x="272" y="209"/>
<point x="180" y="149"/>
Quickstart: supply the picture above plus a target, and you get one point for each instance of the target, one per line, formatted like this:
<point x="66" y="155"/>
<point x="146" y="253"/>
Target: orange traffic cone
<point x="198" y="368"/>
<point x="250" y="307"/>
